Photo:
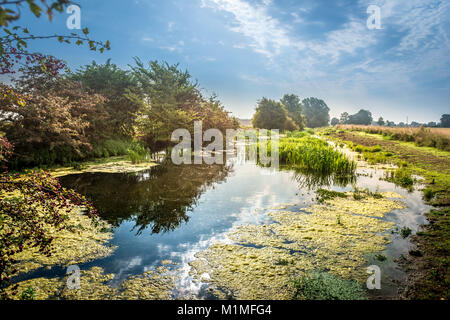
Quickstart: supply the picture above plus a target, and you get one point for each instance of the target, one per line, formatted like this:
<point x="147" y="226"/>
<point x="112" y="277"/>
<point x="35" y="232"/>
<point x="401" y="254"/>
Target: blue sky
<point x="246" y="49"/>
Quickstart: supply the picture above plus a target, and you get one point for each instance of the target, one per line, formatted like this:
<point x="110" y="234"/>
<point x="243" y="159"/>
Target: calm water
<point x="172" y="212"/>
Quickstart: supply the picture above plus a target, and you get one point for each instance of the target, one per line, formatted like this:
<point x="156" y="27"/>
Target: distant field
<point x="245" y="122"/>
<point x="424" y="137"/>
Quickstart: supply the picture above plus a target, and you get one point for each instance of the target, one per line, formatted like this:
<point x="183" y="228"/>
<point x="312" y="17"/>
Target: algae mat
<point x="111" y="165"/>
<point x="263" y="260"/>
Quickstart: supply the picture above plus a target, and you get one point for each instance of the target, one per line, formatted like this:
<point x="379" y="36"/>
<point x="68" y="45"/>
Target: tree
<point x="271" y="114"/>
<point x="344" y="118"/>
<point x="380" y="121"/>
<point x="390" y="123"/>
<point x="445" y="121"/>
<point x="120" y="90"/>
<point x="295" y="109"/>
<point x="363" y="117"/>
<point x="316" y="112"/>
<point x="334" y="121"/>
<point x="58" y="121"/>
<point x="169" y="100"/>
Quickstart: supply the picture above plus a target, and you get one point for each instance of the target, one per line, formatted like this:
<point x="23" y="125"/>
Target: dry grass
<point x="424" y="137"/>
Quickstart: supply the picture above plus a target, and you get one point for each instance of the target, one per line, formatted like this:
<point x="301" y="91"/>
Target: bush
<point x="138" y="153"/>
<point x="325" y="286"/>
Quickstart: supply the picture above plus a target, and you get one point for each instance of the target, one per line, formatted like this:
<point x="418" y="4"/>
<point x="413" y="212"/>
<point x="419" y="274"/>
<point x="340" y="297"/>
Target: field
<point x="424" y="137"/>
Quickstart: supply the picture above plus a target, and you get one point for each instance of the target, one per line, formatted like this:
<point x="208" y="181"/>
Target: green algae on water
<point x="310" y="240"/>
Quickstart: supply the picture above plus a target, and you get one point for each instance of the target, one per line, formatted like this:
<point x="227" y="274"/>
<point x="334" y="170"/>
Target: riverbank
<point x="119" y="164"/>
<point x="426" y="267"/>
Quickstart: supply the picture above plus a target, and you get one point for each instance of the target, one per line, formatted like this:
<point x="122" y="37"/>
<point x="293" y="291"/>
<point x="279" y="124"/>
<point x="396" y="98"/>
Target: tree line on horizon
<point x="290" y="113"/>
<point x="364" y="117"/>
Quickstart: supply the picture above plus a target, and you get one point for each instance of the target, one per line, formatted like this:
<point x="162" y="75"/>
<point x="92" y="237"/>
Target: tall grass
<point x="315" y="155"/>
<point x="423" y="137"/>
<point x="138" y="153"/>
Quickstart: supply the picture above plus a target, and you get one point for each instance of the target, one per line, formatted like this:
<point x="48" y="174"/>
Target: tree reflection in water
<point x="158" y="198"/>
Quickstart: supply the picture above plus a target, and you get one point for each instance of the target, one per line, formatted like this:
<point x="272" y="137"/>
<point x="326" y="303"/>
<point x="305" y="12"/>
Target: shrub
<point x="325" y="286"/>
<point x="138" y="153"/>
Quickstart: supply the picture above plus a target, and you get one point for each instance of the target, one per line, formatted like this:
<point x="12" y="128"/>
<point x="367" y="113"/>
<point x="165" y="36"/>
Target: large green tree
<point x="121" y="92"/>
<point x="271" y="114"/>
<point x="363" y="117"/>
<point x="445" y="121"/>
<point x="317" y="112"/>
<point x="295" y="109"/>
<point x="169" y="99"/>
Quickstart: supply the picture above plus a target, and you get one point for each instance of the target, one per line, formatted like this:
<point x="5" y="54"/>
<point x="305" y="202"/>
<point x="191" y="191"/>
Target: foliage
<point x="401" y="177"/>
<point x="14" y="42"/>
<point x="363" y="117"/>
<point x="323" y="194"/>
<point x="445" y="121"/>
<point x="119" y="88"/>
<point x="334" y="121"/>
<point x="171" y="100"/>
<point x="314" y="154"/>
<point x="405" y="232"/>
<point x="28" y="294"/>
<point x="316" y="112"/>
<point x="58" y="122"/>
<point x="29" y="203"/>
<point x="325" y="286"/>
<point x="138" y="153"/>
<point x="271" y="114"/>
<point x="297" y="134"/>
<point x="295" y="109"/>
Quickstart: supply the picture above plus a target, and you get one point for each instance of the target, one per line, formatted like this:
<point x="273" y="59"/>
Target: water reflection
<point x="313" y="181"/>
<point x="157" y="199"/>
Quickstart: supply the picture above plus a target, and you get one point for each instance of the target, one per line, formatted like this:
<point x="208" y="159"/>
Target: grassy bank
<point x="423" y="137"/>
<point x="427" y="266"/>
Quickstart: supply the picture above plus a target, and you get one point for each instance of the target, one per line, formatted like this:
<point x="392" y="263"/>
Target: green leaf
<point x="35" y="8"/>
<point x="86" y="31"/>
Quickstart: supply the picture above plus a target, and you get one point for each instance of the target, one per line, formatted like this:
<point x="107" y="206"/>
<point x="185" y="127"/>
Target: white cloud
<point x="254" y="22"/>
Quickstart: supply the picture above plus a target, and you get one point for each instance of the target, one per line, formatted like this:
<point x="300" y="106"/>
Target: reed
<point x="315" y="155"/>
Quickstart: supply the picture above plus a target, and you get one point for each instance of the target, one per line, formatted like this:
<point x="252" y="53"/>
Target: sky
<point x="243" y="50"/>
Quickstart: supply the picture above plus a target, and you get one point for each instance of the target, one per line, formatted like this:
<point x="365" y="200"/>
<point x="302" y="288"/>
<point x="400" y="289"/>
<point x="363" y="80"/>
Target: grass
<point x="323" y="195"/>
<point x="405" y="232"/>
<point x="138" y="154"/>
<point x="325" y="286"/>
<point x="315" y="155"/>
<point x="423" y="137"/>
<point x="401" y="177"/>
<point x="428" y="274"/>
